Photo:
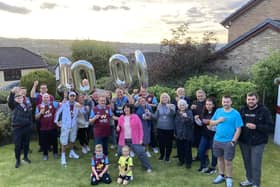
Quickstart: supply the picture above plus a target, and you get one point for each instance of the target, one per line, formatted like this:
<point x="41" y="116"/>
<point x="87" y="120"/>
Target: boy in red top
<point x="99" y="166"/>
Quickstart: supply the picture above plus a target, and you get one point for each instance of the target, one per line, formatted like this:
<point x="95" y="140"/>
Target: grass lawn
<point x="51" y="173"/>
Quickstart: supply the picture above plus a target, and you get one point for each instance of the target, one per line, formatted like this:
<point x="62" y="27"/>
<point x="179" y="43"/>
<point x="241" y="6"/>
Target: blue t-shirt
<point x="226" y="129"/>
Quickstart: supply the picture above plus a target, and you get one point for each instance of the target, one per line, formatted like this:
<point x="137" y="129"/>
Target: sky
<point x="133" y="21"/>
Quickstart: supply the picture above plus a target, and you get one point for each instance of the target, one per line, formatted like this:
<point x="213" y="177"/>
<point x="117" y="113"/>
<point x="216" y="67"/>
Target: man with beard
<point x="257" y="121"/>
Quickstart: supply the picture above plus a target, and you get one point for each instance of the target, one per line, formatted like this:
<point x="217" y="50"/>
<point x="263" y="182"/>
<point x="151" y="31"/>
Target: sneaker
<point x="63" y="159"/>
<point x="148" y="154"/>
<point x="26" y="160"/>
<point x="255" y="185"/>
<point x="188" y="166"/>
<point x="88" y="149"/>
<point x="112" y="147"/>
<point x="132" y="154"/>
<point x="155" y="150"/>
<point x="167" y="159"/>
<point x="45" y="157"/>
<point x="17" y="164"/>
<point x="55" y="156"/>
<point x="116" y="155"/>
<point x="203" y="170"/>
<point x="219" y="179"/>
<point x="84" y="150"/>
<point x="229" y="182"/>
<point x="210" y="171"/>
<point x="160" y="158"/>
<point x="149" y="170"/>
<point x="245" y="183"/>
<point x="72" y="154"/>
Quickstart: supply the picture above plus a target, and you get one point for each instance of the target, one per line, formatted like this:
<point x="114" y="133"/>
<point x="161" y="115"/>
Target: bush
<point x="97" y="53"/>
<point x="43" y="76"/>
<point x="157" y="90"/>
<point x="204" y="82"/>
<point x="3" y="97"/>
<point x="5" y="126"/>
<point x="237" y="90"/>
<point x="218" y="88"/>
<point x="263" y="75"/>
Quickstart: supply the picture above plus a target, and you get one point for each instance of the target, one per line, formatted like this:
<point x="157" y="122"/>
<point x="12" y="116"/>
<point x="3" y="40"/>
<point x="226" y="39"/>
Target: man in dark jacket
<point x="257" y="122"/>
<point x="21" y="124"/>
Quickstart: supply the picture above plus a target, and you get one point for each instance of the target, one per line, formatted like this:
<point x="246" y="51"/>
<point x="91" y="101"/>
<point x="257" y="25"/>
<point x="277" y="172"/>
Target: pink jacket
<point x="136" y="129"/>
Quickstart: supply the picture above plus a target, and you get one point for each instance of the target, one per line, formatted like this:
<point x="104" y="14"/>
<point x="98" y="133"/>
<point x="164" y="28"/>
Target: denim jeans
<point x="205" y="144"/>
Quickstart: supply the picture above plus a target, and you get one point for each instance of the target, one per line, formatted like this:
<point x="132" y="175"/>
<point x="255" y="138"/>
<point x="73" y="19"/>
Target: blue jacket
<point x="66" y="120"/>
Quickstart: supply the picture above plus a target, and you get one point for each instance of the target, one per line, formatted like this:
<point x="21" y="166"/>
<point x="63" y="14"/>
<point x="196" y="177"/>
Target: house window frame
<point x="12" y="74"/>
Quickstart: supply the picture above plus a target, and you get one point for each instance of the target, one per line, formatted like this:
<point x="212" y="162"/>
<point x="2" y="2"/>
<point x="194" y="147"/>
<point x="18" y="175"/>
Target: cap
<point x="72" y="93"/>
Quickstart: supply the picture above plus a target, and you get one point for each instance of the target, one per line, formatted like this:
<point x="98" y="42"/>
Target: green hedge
<point x="4" y="96"/>
<point x="5" y="126"/>
<point x="214" y="87"/>
<point x="157" y="90"/>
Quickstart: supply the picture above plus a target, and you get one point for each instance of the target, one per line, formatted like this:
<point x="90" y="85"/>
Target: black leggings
<point x="165" y="138"/>
<point x="21" y="137"/>
<point x="83" y="136"/>
<point x="49" y="138"/>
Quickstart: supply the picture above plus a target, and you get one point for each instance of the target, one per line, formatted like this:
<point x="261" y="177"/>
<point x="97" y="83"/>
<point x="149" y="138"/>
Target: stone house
<point x="16" y="62"/>
<point x="253" y="33"/>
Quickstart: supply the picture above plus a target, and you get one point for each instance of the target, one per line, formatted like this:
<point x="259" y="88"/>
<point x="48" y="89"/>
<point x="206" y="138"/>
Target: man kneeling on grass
<point x="99" y="166"/>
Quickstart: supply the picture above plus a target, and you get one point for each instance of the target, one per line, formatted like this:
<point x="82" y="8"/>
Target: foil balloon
<point x="65" y="78"/>
<point x="83" y="74"/>
<point x="119" y="69"/>
<point x="141" y="68"/>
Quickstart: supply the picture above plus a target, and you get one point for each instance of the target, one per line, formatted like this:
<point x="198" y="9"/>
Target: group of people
<point x="132" y="123"/>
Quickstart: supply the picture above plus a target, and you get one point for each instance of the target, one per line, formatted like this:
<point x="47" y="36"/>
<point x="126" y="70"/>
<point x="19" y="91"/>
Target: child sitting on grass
<point x="99" y="167"/>
<point x="125" y="167"/>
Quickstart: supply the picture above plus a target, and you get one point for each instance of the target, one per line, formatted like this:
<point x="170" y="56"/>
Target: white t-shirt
<point x="127" y="129"/>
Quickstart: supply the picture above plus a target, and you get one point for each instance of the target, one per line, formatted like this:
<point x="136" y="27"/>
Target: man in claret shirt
<point x="45" y="113"/>
<point x="69" y="128"/>
<point x="37" y="98"/>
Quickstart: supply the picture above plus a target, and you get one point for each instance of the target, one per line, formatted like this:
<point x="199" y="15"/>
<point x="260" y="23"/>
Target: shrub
<point x="237" y="90"/>
<point x="3" y="97"/>
<point x="263" y="75"/>
<point x="204" y="82"/>
<point x="97" y="53"/>
<point x="43" y="76"/>
<point x="157" y="90"/>
<point x="5" y="126"/>
<point x="218" y="88"/>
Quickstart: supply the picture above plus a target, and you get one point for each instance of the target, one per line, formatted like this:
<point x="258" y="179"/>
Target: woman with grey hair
<point x="184" y="133"/>
<point x="164" y="115"/>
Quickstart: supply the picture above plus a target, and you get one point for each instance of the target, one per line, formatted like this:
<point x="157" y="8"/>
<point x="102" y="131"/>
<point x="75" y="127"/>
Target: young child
<point x="125" y="167"/>
<point x="99" y="167"/>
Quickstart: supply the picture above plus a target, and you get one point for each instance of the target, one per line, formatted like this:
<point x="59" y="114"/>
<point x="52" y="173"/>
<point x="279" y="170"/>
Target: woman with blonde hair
<point x="165" y="125"/>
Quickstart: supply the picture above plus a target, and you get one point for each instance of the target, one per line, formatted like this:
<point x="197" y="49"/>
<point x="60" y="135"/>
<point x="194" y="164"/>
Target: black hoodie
<point x="261" y="117"/>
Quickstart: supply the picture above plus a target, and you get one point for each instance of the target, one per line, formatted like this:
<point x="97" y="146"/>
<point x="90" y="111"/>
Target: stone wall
<point x="240" y="59"/>
<point x="253" y="17"/>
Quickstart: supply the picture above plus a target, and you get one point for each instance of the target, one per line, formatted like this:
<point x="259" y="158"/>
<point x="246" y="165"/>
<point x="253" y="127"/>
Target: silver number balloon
<point x="119" y="69"/>
<point x="79" y="67"/>
<point x="65" y="78"/>
<point x="141" y="68"/>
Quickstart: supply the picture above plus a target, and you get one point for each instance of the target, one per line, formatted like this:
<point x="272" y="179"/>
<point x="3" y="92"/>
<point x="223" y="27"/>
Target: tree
<point x="181" y="57"/>
<point x="97" y="53"/>
<point x="263" y="75"/>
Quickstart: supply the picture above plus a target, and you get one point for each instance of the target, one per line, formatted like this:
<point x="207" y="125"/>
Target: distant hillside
<point x="62" y="47"/>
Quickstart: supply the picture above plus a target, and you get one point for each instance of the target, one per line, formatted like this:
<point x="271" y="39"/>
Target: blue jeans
<point x="205" y="144"/>
<point x="104" y="142"/>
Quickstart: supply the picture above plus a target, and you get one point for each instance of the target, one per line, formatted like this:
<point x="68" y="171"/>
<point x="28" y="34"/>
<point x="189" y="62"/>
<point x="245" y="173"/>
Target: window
<point x="12" y="74"/>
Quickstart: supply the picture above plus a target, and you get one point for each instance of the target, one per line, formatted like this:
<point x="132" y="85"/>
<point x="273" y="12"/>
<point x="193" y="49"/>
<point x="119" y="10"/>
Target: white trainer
<point x="148" y="154"/>
<point x="72" y="154"/>
<point x="88" y="149"/>
<point x="155" y="150"/>
<point x="63" y="159"/>
<point x="84" y="150"/>
<point x="132" y="154"/>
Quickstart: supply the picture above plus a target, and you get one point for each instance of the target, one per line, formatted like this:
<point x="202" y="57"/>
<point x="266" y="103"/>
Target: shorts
<point x="68" y="134"/>
<point x="128" y="178"/>
<point x="224" y="149"/>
